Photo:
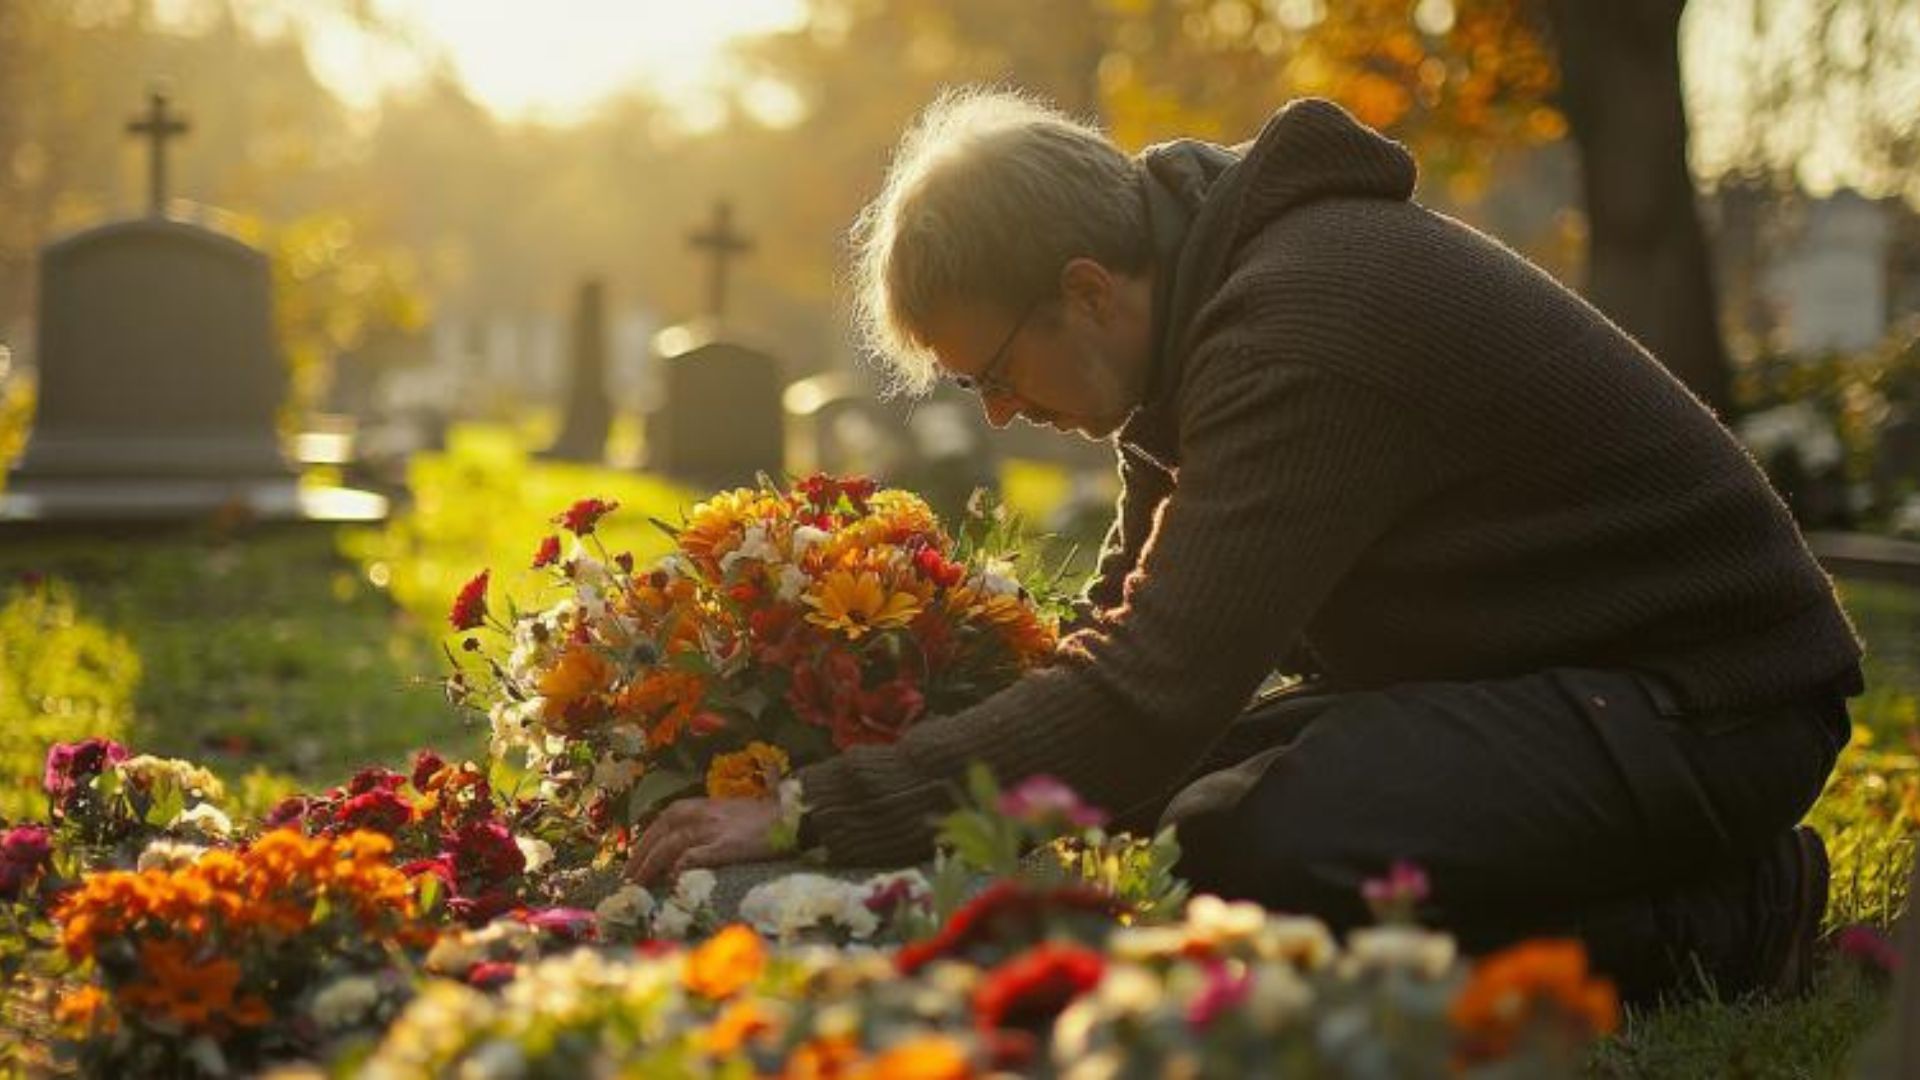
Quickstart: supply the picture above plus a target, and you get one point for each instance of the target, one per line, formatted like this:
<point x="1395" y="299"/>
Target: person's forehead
<point x="964" y="332"/>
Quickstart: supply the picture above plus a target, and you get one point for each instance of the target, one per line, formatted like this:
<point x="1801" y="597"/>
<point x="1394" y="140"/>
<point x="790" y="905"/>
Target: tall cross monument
<point x="723" y="243"/>
<point x="157" y="126"/>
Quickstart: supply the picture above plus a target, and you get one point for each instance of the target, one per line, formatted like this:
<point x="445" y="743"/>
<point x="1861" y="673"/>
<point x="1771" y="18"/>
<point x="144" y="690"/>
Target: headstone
<point x="160" y="381"/>
<point x="719" y="424"/>
<point x="589" y="415"/>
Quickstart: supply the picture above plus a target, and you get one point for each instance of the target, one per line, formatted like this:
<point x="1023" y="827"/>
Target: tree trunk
<point x="1647" y="264"/>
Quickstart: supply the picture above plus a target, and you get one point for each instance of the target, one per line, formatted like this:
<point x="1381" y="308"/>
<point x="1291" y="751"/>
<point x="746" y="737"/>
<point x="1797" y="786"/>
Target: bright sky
<point x="553" y="59"/>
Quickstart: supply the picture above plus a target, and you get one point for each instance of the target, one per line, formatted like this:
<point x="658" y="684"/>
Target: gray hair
<point x="991" y="192"/>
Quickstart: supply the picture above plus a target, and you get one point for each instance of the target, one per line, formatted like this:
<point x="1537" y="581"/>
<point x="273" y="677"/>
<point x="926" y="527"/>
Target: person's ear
<point x="1088" y="288"/>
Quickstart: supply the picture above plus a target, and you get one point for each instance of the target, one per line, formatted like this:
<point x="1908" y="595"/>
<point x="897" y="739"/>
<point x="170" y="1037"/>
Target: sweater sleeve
<point x="1287" y="472"/>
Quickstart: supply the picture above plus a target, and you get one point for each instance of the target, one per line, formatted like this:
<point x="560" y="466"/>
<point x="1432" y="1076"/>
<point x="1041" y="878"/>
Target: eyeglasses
<point x="988" y="382"/>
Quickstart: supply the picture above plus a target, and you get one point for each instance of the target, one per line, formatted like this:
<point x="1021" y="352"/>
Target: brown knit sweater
<point x="1377" y="432"/>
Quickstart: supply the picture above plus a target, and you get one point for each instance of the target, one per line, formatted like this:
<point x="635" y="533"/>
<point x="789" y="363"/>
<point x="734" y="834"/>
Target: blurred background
<point x="474" y="212"/>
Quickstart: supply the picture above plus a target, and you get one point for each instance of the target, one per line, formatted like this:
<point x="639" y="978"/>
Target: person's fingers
<point x="678" y="827"/>
<point x="708" y="855"/>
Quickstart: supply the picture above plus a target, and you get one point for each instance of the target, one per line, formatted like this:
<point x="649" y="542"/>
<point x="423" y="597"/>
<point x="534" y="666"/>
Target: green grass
<point x="287" y="658"/>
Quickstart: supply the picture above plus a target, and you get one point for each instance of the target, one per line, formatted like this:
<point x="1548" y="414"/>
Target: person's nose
<point x="1000" y="410"/>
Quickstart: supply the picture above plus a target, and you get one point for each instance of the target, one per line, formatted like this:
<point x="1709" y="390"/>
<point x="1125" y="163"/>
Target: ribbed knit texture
<point x="1378" y="432"/>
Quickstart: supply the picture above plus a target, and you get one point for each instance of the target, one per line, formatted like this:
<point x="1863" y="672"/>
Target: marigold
<point x="736" y="1025"/>
<point x="667" y="700"/>
<point x="1538" y="980"/>
<point x="925" y="1057"/>
<point x="569" y="688"/>
<point x="725" y="963"/>
<point x="856" y="602"/>
<point x="829" y="1057"/>
<point x="751" y="773"/>
<point x="80" y="1007"/>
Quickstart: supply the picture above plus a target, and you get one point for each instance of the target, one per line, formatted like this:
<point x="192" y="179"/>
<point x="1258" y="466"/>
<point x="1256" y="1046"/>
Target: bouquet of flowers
<point x="786" y="625"/>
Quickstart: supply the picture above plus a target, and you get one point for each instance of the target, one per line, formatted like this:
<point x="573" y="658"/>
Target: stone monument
<point x="160" y="379"/>
<point x="589" y="415"/>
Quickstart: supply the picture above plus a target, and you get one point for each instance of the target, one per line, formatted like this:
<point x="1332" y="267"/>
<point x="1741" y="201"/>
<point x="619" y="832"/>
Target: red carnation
<point x="580" y="518"/>
<point x="1006" y="913"/>
<point x="1028" y="991"/>
<point x="470" y="607"/>
<point x="548" y="554"/>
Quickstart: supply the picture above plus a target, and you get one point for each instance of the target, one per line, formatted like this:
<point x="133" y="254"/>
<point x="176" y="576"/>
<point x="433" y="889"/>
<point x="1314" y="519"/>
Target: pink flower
<point x="291" y="810"/>
<point x="71" y="765"/>
<point x="1867" y="946"/>
<point x="25" y="851"/>
<point x="1402" y="889"/>
<point x="580" y="518"/>
<point x="1046" y="801"/>
<point x="571" y="925"/>
<point x="480" y="910"/>
<point x="470" y="606"/>
<point x="1222" y="992"/>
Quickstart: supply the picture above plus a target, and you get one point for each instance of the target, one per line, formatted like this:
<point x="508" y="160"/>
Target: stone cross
<point x="720" y="239"/>
<point x="157" y="126"/>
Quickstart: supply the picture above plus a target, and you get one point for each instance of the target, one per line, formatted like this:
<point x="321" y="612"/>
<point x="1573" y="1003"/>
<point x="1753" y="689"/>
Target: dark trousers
<point x="1567" y="802"/>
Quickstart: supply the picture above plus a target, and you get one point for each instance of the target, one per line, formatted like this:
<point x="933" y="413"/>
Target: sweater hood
<point x="1204" y="202"/>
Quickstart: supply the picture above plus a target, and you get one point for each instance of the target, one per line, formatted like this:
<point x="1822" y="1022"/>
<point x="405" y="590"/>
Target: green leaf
<point x="655" y="789"/>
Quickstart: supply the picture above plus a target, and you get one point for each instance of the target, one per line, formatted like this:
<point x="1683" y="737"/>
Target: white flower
<point x="625" y="909"/>
<point x="205" y="819"/>
<point x="694" y="889"/>
<point x="787" y="905"/>
<point x="1301" y="940"/>
<point x="753" y="545"/>
<point x="1402" y="948"/>
<point x="345" y="1002"/>
<point x="1128" y="990"/>
<point x="149" y="773"/>
<point x="996" y="578"/>
<point x="496" y="1059"/>
<point x="538" y="852"/>
<point x="793" y="582"/>
<point x="1278" y="995"/>
<point x="672" y="921"/>
<point x="168" y="855"/>
<point x="806" y="538"/>
<point x="1213" y="919"/>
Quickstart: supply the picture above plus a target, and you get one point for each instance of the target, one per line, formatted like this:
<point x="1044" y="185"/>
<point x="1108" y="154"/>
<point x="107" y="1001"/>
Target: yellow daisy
<point x="855" y="602"/>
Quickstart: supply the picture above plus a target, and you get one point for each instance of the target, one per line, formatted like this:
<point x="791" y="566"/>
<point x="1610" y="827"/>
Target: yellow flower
<point x="716" y="526"/>
<point x="856" y="602"/>
<point x="752" y="773"/>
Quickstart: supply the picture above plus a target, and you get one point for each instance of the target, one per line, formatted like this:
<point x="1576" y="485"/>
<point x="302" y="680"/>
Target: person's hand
<point x="704" y="832"/>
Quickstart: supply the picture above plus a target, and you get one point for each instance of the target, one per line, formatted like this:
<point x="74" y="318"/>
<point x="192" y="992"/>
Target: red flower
<point x="480" y="910"/>
<point x="25" y="850"/>
<point x="548" y="553"/>
<point x="484" y="854"/>
<point x="936" y="568"/>
<point x="291" y="810"/>
<point x="425" y="764"/>
<point x="374" y="778"/>
<point x="1028" y="991"/>
<point x="440" y="866"/>
<point x="823" y="492"/>
<point x="880" y="715"/>
<point x="380" y="811"/>
<point x="1006" y="914"/>
<point x="71" y="765"/>
<point x="580" y="518"/>
<point x="491" y="973"/>
<point x="470" y="607"/>
<point x="824" y="693"/>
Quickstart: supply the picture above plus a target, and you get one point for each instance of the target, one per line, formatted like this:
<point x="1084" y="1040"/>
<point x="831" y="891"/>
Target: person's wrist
<point x="789" y="834"/>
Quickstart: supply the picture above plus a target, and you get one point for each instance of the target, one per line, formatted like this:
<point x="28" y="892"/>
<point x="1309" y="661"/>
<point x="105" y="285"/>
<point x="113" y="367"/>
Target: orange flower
<point x="717" y="526"/>
<point x="855" y="602"/>
<point x="81" y="1007"/>
<point x="1543" y="981"/>
<point x="927" y="1057"/>
<point x="189" y="993"/>
<point x="725" y="963"/>
<point x="666" y="700"/>
<point x="736" y="1025"/>
<point x="752" y="773"/>
<point x="570" y="685"/>
<point x="826" y="1058"/>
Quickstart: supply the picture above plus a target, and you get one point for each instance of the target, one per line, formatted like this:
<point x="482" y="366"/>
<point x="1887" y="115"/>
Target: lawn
<point x="287" y="658"/>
